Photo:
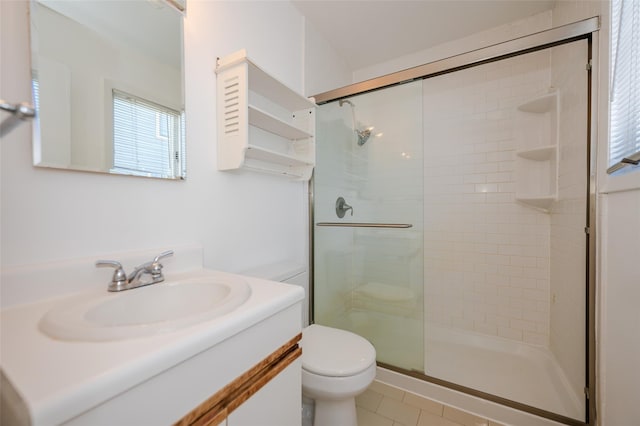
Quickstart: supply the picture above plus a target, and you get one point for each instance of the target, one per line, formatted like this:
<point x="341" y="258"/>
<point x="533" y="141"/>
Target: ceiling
<point x="367" y="32"/>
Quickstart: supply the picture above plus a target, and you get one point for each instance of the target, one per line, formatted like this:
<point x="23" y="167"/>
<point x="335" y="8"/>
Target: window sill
<point x="628" y="181"/>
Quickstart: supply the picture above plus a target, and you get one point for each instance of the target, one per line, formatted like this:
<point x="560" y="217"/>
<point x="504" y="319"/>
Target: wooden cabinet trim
<point x="217" y="407"/>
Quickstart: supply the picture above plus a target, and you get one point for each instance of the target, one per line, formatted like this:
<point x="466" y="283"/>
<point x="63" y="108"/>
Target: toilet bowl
<point x="337" y="366"/>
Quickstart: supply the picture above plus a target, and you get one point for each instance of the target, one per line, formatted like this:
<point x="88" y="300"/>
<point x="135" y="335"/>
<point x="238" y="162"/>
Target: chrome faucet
<point x="120" y="281"/>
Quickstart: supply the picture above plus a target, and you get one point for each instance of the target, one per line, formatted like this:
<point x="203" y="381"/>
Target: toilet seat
<point x="335" y="353"/>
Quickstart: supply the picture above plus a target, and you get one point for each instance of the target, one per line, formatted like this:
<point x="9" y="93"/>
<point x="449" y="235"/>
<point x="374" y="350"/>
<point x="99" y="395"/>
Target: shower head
<point x="364" y="135"/>
<point x="345" y="101"/>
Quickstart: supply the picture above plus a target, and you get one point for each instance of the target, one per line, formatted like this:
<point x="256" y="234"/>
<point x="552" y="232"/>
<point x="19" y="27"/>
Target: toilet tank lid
<point x="279" y="271"/>
<point x="335" y="353"/>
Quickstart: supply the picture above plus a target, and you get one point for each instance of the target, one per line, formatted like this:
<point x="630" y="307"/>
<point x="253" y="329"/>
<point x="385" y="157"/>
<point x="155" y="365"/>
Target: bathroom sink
<point x="144" y="311"/>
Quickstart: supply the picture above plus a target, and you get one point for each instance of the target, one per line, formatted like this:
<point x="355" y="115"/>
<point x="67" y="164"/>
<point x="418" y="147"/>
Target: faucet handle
<point x="163" y="255"/>
<point x="156" y="266"/>
<point x="119" y="276"/>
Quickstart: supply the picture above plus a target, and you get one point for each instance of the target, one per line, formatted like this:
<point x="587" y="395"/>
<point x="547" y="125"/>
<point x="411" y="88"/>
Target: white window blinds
<point x="624" y="145"/>
<point x="148" y="139"/>
<point x="35" y="89"/>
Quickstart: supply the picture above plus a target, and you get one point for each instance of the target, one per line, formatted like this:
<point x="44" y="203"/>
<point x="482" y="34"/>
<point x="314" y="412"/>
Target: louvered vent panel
<point x="232" y="105"/>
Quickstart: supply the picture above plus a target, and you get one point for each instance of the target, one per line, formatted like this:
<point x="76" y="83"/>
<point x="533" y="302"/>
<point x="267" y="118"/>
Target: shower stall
<point x="451" y="223"/>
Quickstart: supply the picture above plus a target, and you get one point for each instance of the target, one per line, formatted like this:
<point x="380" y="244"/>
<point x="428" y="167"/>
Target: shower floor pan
<point x="512" y="370"/>
<point x="516" y="371"/>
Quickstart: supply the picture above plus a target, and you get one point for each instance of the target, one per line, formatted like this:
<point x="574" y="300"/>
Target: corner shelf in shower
<point x="541" y="203"/>
<point x="263" y="125"/>
<point x="543" y="153"/>
<point x="540" y="104"/>
<point x="537" y="160"/>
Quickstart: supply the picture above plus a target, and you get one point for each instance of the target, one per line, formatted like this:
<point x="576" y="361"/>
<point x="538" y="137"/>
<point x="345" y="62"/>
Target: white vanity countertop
<point x="57" y="380"/>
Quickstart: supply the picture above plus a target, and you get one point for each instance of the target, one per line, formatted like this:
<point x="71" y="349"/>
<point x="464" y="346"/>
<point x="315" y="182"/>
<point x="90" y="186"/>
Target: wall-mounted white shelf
<point x="272" y="124"/>
<point x="537" y="158"/>
<point x="269" y="156"/>
<point x="263" y="125"/>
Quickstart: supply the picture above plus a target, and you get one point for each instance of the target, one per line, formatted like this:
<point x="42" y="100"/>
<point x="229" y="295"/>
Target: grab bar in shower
<point x="365" y="225"/>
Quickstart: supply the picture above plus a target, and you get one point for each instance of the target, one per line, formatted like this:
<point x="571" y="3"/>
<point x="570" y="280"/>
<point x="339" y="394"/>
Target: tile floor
<point x="384" y="405"/>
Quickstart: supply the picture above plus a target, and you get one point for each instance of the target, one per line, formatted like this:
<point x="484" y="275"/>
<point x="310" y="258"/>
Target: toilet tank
<point x="286" y="272"/>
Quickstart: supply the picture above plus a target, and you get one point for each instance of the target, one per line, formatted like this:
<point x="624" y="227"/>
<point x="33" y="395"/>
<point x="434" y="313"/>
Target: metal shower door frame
<point x="581" y="30"/>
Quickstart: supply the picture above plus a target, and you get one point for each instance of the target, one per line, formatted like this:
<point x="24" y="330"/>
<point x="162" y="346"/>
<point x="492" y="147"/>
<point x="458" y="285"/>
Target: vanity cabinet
<point x="243" y="381"/>
<point x="537" y="157"/>
<point x="263" y="125"/>
<point x="259" y="396"/>
<point x="240" y="368"/>
<point x="266" y="406"/>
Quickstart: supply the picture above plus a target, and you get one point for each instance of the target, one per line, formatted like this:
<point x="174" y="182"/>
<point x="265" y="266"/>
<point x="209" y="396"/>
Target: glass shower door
<point x="506" y="184"/>
<point x="368" y="214"/>
<point x="449" y="225"/>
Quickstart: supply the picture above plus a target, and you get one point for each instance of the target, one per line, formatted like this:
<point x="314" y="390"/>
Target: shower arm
<point x="363" y="135"/>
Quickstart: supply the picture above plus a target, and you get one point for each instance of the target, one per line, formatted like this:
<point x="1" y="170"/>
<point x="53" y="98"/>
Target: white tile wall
<point x="486" y="256"/>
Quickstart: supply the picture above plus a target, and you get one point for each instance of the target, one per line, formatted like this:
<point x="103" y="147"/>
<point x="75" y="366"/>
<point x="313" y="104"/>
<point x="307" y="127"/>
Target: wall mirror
<point x="108" y="86"/>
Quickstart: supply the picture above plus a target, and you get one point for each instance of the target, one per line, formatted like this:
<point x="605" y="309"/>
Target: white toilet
<point x="337" y="365"/>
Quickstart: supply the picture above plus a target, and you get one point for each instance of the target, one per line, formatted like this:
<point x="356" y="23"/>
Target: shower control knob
<point x="342" y="207"/>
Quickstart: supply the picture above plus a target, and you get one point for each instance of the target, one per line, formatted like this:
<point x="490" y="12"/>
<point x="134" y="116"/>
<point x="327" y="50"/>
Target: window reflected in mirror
<point x="148" y="138"/>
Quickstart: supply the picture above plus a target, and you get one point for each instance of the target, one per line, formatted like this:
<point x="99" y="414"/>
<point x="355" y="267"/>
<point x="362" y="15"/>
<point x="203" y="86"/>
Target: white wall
<point x="620" y="317"/>
<point x="241" y="219"/>
<point x="324" y="69"/>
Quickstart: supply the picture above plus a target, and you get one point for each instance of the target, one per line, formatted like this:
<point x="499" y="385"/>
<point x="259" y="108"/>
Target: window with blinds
<point x="148" y="138"/>
<point x="624" y="136"/>
<point x="35" y="89"/>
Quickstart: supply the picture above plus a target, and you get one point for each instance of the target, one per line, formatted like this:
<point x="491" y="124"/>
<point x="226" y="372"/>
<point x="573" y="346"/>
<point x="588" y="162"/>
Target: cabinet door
<point x="278" y="403"/>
